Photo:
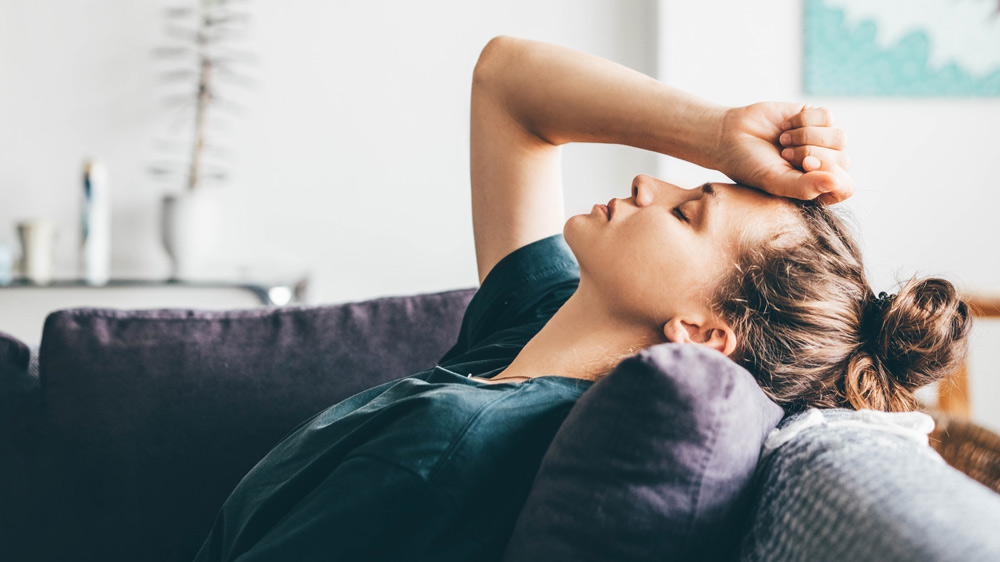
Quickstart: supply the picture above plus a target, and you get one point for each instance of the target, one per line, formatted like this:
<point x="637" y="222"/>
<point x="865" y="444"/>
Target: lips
<point x="611" y="207"/>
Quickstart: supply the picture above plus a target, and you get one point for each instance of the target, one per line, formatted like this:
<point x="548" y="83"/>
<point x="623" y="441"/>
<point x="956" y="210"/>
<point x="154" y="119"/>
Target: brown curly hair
<point x="814" y="334"/>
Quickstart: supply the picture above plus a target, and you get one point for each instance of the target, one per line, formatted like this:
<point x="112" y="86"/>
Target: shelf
<point x="24" y="304"/>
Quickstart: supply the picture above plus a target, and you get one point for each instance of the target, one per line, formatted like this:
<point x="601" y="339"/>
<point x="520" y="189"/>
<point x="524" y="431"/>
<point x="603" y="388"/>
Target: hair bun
<point x="873" y="314"/>
<point x="918" y="336"/>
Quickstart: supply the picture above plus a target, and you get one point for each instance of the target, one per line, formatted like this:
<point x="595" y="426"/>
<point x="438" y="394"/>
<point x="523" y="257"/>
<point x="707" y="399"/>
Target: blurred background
<point x="337" y="146"/>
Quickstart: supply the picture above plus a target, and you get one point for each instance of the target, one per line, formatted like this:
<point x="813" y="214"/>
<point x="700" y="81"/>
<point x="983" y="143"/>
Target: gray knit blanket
<point x="840" y="485"/>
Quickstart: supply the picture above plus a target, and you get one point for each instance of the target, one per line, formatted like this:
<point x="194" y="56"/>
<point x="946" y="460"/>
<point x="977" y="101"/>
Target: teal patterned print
<point x="844" y="59"/>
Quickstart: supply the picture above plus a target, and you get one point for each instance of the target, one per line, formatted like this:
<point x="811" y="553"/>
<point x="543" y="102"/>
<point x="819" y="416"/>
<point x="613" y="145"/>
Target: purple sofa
<point x="140" y="423"/>
<point x="125" y="431"/>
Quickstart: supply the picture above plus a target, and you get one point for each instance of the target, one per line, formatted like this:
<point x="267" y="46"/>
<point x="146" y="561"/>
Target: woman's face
<point x="660" y="252"/>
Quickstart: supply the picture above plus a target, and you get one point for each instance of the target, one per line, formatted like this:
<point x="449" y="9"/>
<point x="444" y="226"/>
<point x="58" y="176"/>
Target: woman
<point x="436" y="466"/>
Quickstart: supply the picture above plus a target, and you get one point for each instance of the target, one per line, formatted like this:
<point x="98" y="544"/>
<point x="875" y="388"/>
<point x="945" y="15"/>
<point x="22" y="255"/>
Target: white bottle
<point x="95" y="250"/>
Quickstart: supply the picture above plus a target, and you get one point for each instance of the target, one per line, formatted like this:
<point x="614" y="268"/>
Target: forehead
<point x="750" y="212"/>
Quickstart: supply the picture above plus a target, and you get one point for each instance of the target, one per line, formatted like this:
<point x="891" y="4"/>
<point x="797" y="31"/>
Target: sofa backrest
<point x="144" y="421"/>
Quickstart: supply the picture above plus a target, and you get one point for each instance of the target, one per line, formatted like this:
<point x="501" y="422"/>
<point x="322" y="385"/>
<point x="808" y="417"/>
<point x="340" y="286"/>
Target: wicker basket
<point x="969" y="447"/>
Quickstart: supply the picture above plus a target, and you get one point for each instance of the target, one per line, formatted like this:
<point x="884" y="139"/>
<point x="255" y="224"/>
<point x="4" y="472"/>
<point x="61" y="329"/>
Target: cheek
<point x="637" y="258"/>
<point x="668" y="270"/>
<point x="653" y="246"/>
<point x="647" y="257"/>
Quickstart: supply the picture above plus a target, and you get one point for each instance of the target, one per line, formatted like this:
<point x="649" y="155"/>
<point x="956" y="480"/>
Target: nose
<point x="642" y="191"/>
<point x="645" y="187"/>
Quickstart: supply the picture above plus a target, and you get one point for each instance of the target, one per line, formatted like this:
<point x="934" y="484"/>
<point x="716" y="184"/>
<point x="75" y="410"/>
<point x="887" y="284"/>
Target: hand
<point x="786" y="149"/>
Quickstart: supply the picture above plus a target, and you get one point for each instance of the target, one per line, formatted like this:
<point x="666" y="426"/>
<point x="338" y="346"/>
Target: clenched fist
<point x="786" y="149"/>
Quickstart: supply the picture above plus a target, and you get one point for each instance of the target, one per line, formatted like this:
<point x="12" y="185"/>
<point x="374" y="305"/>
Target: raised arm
<point x="529" y="97"/>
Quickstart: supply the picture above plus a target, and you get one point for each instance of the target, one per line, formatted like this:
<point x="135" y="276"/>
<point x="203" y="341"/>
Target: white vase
<point x="38" y="242"/>
<point x="190" y="224"/>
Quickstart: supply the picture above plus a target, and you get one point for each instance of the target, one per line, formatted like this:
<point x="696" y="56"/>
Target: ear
<point x="714" y="334"/>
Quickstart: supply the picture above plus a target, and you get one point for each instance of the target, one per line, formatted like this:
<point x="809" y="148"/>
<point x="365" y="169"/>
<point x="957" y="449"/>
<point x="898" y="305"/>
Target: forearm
<point x="562" y="96"/>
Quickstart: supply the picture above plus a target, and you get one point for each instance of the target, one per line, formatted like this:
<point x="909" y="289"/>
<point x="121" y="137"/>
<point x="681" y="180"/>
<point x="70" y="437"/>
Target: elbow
<point x="491" y="58"/>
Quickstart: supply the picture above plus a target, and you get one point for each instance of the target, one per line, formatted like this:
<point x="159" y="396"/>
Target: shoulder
<point x="526" y="287"/>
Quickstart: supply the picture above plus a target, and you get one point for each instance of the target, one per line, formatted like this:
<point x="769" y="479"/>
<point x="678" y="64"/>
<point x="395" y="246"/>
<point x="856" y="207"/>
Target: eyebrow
<point x="708" y="189"/>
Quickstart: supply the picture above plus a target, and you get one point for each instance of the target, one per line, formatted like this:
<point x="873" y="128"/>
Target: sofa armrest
<point x="18" y="376"/>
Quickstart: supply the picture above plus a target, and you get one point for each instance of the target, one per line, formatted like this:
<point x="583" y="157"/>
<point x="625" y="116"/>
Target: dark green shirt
<point x="430" y="467"/>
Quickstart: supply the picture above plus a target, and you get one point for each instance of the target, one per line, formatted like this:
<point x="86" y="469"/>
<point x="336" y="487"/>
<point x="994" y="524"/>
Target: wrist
<point x="711" y="146"/>
<point x="692" y="129"/>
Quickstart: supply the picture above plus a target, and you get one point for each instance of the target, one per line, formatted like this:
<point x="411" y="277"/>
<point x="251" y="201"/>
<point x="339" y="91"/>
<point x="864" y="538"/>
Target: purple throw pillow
<point x="654" y="462"/>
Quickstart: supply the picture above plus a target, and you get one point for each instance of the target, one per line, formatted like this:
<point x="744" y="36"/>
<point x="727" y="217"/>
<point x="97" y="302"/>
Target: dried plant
<point x="203" y="60"/>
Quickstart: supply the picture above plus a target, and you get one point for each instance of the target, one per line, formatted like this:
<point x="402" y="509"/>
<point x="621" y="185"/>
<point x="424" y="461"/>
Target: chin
<point x="578" y="237"/>
<point x="572" y="232"/>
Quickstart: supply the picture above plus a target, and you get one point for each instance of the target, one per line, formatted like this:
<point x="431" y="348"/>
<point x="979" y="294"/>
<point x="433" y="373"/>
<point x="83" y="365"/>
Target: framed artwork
<point x="901" y="47"/>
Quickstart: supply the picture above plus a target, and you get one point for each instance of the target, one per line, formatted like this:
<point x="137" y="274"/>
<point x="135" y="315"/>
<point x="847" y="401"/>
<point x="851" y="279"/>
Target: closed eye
<point x="680" y="214"/>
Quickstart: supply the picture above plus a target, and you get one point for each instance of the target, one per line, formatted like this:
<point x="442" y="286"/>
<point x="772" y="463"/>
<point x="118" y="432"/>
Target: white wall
<point x="351" y="161"/>
<point x="925" y="168"/>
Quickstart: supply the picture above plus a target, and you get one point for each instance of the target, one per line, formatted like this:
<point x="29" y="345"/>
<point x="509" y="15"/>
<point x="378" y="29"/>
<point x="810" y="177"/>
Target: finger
<point x="811" y="158"/>
<point x="794" y="184"/>
<point x="829" y="137"/>
<point x="830" y="184"/>
<point x="843" y="187"/>
<point x="810" y="117"/>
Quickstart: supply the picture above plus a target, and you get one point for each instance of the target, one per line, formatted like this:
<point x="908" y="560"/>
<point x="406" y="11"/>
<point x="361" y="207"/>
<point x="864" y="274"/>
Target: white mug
<point x="38" y="243"/>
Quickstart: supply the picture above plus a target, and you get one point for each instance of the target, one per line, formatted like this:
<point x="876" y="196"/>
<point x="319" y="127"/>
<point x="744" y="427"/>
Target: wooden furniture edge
<point x="953" y="392"/>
